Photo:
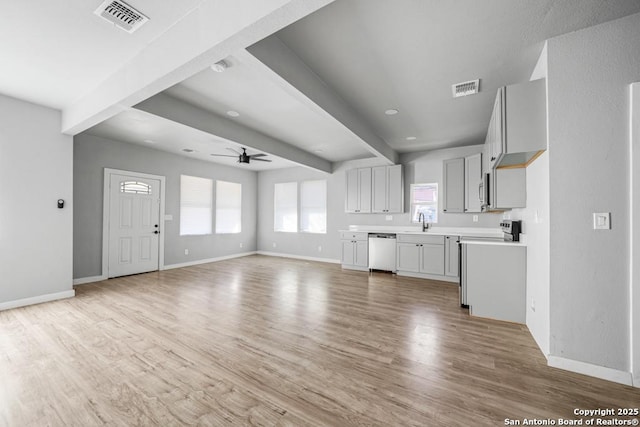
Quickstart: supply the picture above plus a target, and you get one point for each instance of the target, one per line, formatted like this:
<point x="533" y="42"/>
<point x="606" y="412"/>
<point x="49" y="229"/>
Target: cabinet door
<point x="348" y="252"/>
<point x="451" y="266"/>
<point x="453" y="180"/>
<point x="380" y="189"/>
<point x="509" y="188"/>
<point x="395" y="189"/>
<point x="352" y="192"/>
<point x="364" y="190"/>
<point x="361" y="253"/>
<point x="472" y="179"/>
<point x="409" y="257"/>
<point x="432" y="259"/>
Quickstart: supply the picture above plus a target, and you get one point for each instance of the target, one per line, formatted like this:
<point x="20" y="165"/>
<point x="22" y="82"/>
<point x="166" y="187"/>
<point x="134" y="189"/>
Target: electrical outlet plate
<point x="602" y="221"/>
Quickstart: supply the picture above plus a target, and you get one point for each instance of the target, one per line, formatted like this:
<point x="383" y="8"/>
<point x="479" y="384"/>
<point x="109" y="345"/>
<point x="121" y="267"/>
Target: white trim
<point x="37" y="300"/>
<point x="206" y="261"/>
<point x="597" y="371"/>
<point x="441" y="278"/>
<point x="306" y="258"/>
<point x="92" y="279"/>
<point x="106" y="197"/>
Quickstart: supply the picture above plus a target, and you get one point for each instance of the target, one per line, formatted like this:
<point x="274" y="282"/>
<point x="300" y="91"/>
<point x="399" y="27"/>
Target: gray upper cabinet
<point x="518" y="127"/>
<point x="358" y="192"/>
<point x="378" y="189"/>
<point x="453" y="180"/>
<point x="472" y="179"/>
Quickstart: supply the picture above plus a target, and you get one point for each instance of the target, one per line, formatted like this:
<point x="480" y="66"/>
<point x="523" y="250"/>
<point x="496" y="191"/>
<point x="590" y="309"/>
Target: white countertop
<point x="438" y="231"/>
<point x="492" y="242"/>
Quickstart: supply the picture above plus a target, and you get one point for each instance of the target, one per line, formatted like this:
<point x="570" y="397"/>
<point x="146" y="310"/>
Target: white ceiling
<point x="324" y="87"/>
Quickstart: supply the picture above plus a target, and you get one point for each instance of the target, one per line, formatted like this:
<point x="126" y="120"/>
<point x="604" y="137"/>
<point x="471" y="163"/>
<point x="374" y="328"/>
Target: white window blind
<point x="196" y="199"/>
<point x="424" y="199"/>
<point x="313" y="206"/>
<point x="228" y="207"/>
<point x="286" y="207"/>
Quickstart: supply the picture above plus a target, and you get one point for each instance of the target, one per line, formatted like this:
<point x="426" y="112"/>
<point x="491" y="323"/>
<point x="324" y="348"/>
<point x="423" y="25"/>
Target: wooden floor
<point x="277" y="342"/>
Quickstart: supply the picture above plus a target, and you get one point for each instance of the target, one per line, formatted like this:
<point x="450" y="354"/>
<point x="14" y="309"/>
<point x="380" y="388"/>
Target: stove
<point x="511" y="230"/>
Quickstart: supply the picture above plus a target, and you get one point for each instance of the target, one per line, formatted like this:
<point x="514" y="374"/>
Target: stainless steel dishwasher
<point x="382" y="252"/>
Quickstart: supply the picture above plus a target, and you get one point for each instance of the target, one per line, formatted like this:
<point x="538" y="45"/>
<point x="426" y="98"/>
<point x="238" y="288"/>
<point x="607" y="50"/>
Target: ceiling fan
<point x="244" y="157"/>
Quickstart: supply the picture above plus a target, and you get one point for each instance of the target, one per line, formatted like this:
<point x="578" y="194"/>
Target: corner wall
<point x="92" y="154"/>
<point x="589" y="75"/>
<point x="36" y="165"/>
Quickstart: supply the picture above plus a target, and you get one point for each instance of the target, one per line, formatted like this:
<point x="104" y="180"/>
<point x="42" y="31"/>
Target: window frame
<point x="295" y="204"/>
<point x="182" y="204"/>
<point x="301" y="207"/>
<point x="217" y="207"/>
<point x="433" y="204"/>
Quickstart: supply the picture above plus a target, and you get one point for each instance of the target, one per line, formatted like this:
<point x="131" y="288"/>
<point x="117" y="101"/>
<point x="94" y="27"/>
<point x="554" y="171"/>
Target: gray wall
<point x="417" y="168"/>
<point x="92" y="154"/>
<point x="35" y="171"/>
<point x="589" y="76"/>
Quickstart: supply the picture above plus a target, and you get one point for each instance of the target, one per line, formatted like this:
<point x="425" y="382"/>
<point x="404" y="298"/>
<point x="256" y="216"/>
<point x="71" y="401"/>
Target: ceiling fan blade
<point x="235" y="151"/>
<point x="223" y="155"/>
<point x="260" y="160"/>
<point x="258" y="155"/>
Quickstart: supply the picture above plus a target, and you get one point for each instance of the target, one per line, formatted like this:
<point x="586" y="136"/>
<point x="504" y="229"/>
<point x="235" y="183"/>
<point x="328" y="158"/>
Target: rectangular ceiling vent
<point x="121" y="15"/>
<point x="465" y="88"/>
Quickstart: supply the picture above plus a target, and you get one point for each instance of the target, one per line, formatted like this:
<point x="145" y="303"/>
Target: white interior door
<point x="134" y="225"/>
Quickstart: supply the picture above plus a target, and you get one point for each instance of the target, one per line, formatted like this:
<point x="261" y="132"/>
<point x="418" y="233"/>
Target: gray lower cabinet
<point x="495" y="281"/>
<point x="355" y="250"/>
<point x="420" y="255"/>
<point x="451" y="266"/>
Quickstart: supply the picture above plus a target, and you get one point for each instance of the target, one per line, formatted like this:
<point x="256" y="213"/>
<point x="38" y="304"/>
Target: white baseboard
<point x="306" y="258"/>
<point x="206" y="261"/>
<point x="37" y="300"/>
<point x="85" y="280"/>
<point x="597" y="371"/>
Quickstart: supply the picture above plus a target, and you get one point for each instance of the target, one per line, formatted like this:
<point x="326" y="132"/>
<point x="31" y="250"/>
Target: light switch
<point x="168" y="217"/>
<point x="602" y="221"/>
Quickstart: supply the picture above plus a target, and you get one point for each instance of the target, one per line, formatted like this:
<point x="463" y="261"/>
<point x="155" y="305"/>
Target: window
<point x="424" y="199"/>
<point x="313" y="206"/>
<point x="286" y="207"/>
<point x="228" y="207"/>
<point x="135" y="187"/>
<point x="196" y="199"/>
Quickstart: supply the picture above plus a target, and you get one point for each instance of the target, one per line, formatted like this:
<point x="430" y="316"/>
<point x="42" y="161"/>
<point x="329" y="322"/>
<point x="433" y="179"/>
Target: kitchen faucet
<point x="421" y="217"/>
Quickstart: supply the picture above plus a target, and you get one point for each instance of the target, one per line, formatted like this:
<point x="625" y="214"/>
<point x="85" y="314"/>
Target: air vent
<point x="121" y="15"/>
<point x="465" y="88"/>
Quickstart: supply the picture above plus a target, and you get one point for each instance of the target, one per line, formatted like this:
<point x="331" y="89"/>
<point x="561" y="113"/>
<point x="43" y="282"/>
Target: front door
<point x="134" y="225"/>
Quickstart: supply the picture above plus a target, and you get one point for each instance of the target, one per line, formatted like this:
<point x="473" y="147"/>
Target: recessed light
<point x="411" y="138"/>
<point x="391" y="112"/>
<point x="149" y="141"/>
<point x="188" y="150"/>
<point x="233" y="113"/>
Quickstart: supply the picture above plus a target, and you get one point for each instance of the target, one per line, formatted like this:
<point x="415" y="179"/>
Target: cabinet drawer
<point x="420" y="238"/>
<point x="354" y="235"/>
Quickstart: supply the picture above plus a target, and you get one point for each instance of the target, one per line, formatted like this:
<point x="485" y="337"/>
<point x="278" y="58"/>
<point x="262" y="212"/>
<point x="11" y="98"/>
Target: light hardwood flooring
<point x="277" y="342"/>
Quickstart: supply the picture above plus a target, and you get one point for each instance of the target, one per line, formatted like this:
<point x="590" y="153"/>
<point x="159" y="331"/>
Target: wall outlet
<point x="186" y="251"/>
<point x="475" y="218"/>
<point x="274" y="244"/>
<point x="602" y="221"/>
<point x="389" y="218"/>
<point x="319" y="248"/>
<point x="241" y="245"/>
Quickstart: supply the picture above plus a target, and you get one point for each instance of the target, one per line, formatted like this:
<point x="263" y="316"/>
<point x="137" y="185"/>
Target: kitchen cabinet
<point x="517" y="131"/>
<point x="453" y="182"/>
<point x="451" y="266"/>
<point x="420" y="255"/>
<point x="494" y="280"/>
<point x="472" y="179"/>
<point x="358" y="191"/>
<point x="355" y="250"/>
<point x="509" y="188"/>
<point x="388" y="189"/>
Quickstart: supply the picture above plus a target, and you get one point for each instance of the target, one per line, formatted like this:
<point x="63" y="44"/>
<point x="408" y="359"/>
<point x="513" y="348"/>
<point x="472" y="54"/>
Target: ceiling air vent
<point x="465" y="88"/>
<point x="121" y="15"/>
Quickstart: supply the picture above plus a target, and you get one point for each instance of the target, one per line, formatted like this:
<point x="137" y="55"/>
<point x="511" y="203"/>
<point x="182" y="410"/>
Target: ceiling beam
<point x="210" y="32"/>
<point x="272" y="52"/>
<point x="176" y="110"/>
